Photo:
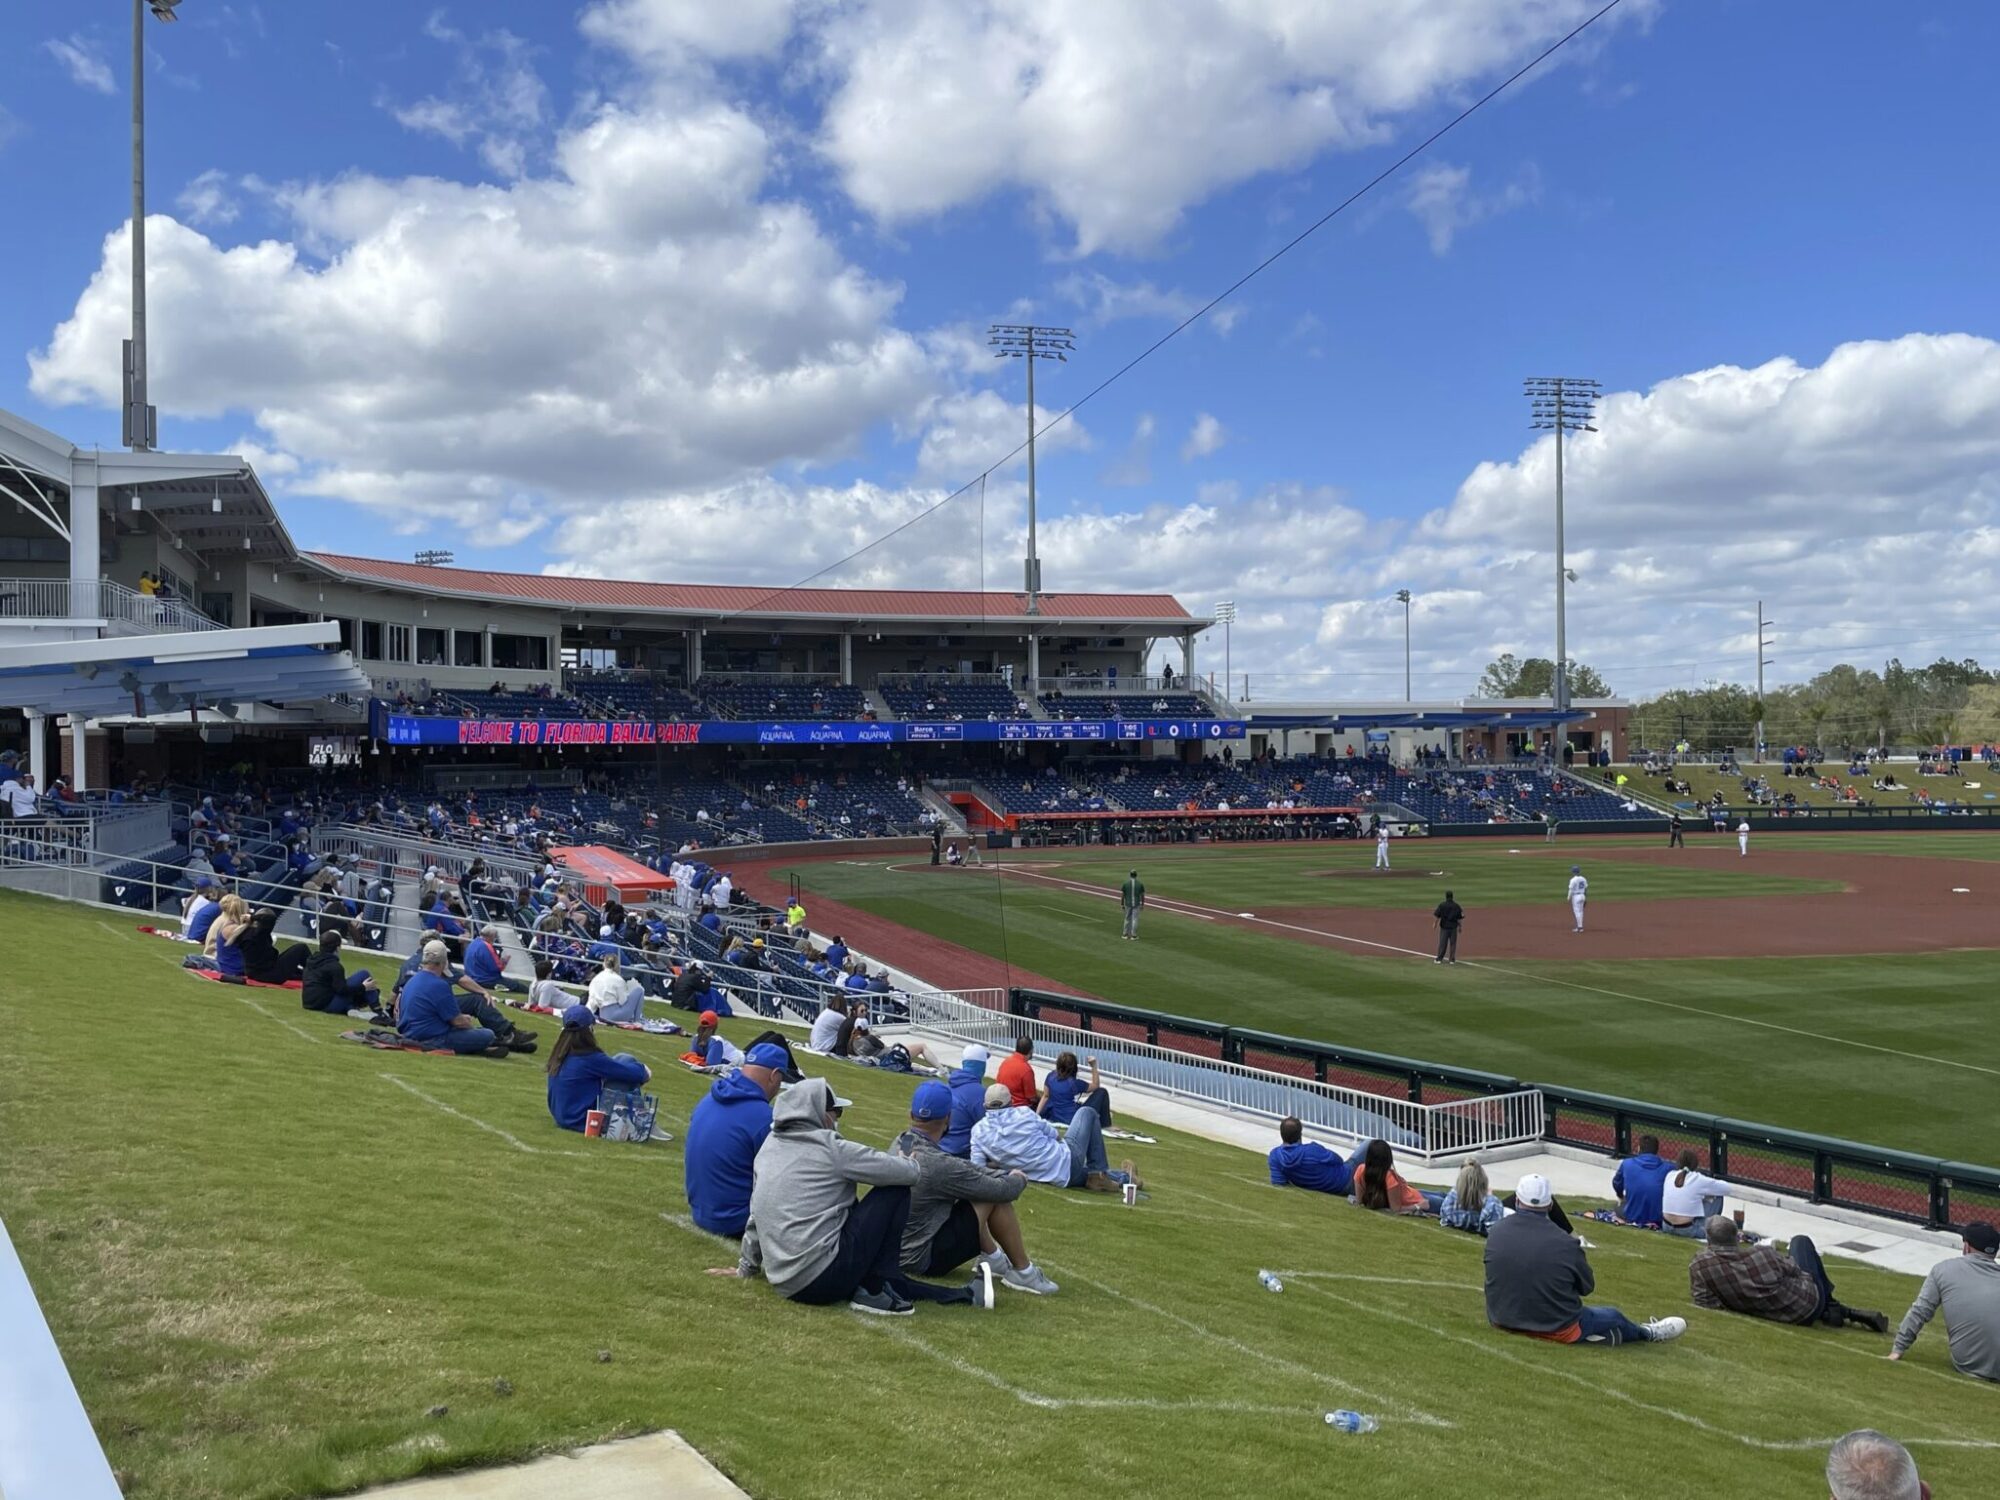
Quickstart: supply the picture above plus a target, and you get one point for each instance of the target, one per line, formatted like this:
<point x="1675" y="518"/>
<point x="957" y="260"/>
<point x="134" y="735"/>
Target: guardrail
<point x="1425" y="1131"/>
<point x="1824" y="1169"/>
<point x="124" y="611"/>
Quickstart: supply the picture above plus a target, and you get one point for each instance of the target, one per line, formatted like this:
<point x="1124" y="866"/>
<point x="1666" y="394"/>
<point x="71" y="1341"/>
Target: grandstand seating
<point x="805" y="698"/>
<point x="507" y="705"/>
<point x="607" y="697"/>
<point x="950" y="698"/>
<point x="1161" y="705"/>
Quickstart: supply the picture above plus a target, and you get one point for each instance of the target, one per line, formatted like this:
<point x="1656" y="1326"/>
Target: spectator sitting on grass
<point x="1759" y="1281"/>
<point x="958" y="1213"/>
<point x="579" y="1069"/>
<point x="545" y="992"/>
<point x="1688" y="1198"/>
<point x="1537" y="1278"/>
<point x="809" y="1234"/>
<point x="709" y="1049"/>
<point x="1297" y="1162"/>
<point x="724" y="1134"/>
<point x="833" y="1014"/>
<point x="612" y="996"/>
<point x="1470" y="1205"/>
<point x="1865" y="1465"/>
<point x="968" y="1095"/>
<point x="1639" y="1182"/>
<point x="1010" y="1135"/>
<point x="429" y="1011"/>
<point x="1065" y="1093"/>
<point x="325" y="985"/>
<point x="1968" y="1289"/>
<point x="1018" y="1073"/>
<point x="261" y="959"/>
<point x="1377" y="1185"/>
<point x="201" y="909"/>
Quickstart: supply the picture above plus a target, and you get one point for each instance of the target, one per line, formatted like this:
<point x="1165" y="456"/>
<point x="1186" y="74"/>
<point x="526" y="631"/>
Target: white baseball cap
<point x="973" y="1054"/>
<point x="1534" y="1191"/>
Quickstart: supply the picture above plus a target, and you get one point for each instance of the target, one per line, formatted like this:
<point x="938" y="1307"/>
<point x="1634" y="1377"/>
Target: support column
<point x="1034" y="665"/>
<point x="847" y="658"/>
<point x="38" y="751"/>
<point x="83" y="543"/>
<point x="79" y="756"/>
<point x="694" y="656"/>
<point x="1187" y="661"/>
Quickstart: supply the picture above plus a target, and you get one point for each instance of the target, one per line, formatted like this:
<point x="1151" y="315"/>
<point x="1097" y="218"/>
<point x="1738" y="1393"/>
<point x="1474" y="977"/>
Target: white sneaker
<point x="360" y="1015"/>
<point x="1660" y="1330"/>
<point x="1031" y="1280"/>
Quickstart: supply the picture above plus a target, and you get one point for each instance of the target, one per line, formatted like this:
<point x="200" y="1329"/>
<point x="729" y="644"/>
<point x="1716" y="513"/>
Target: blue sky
<point x="647" y="289"/>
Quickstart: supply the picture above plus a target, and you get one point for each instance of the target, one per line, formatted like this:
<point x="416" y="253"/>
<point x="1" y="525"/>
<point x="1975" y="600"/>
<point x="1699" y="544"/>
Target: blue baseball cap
<point x="579" y="1015"/>
<point x="203" y="882"/>
<point x="767" y="1055"/>
<point x="932" y="1101"/>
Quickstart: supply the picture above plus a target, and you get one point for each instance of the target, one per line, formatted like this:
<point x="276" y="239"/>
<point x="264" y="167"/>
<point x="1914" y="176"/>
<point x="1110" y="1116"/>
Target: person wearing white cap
<point x="968" y="1095"/>
<point x="1537" y="1278"/>
<point x="1579" y="892"/>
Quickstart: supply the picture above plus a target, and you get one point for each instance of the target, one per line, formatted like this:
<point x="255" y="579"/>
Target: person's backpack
<point x="895" y="1059"/>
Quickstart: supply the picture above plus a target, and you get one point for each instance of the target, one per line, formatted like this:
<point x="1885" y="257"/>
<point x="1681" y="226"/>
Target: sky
<point x="678" y="290"/>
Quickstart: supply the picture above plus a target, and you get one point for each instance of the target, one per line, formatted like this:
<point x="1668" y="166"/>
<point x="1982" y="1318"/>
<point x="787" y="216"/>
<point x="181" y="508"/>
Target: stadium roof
<point x="172" y="673"/>
<point x="926" y="605"/>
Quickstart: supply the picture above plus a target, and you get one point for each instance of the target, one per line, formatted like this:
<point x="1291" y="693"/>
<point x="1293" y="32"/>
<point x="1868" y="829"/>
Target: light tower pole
<point x="1403" y="598"/>
<point x="1225" y="616"/>
<point x="1763" y="643"/>
<point x="1030" y="342"/>
<point x="1559" y="404"/>
<point x="141" y="421"/>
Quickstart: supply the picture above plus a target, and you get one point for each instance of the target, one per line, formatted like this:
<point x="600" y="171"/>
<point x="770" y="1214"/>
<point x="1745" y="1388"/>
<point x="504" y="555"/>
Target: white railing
<point x="124" y="611"/>
<point x="1425" y="1131"/>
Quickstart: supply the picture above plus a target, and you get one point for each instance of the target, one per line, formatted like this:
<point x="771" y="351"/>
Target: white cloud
<point x="79" y="57"/>
<point x="676" y="31"/>
<point x="1116" y="117"/>
<point x="965" y="432"/>
<point x="496" y="99"/>
<point x="1205" y="437"/>
<point x="1441" y="198"/>
<point x="208" y="200"/>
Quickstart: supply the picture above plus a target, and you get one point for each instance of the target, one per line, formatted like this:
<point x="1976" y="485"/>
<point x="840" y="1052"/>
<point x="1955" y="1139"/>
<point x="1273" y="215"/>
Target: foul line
<point x="295" y="1030"/>
<point x="1449" y="1286"/>
<point x="1416" y="1413"/>
<point x="1693" y="1010"/>
<point x="513" y="1140"/>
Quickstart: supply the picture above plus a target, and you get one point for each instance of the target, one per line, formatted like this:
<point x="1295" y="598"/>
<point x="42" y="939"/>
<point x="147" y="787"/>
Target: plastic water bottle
<point x="1351" y="1421"/>
<point x="1270" y="1282"/>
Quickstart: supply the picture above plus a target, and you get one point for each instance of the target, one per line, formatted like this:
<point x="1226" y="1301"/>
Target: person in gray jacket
<point x="809" y="1234"/>
<point x="1537" y="1278"/>
<point x="1969" y="1291"/>
<point x="960" y="1213"/>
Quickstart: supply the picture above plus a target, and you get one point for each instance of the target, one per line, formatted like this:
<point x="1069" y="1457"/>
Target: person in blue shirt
<point x="231" y="922"/>
<point x="723" y="1137"/>
<point x="836" y="951"/>
<point x="1639" y="1183"/>
<point x="204" y="908"/>
<point x="968" y="1101"/>
<point x="709" y="920"/>
<point x="1296" y="1162"/>
<point x="485" y="965"/>
<point x="222" y="861"/>
<point x="430" y="1011"/>
<point x="579" y="1069"/>
<point x="1064" y="1090"/>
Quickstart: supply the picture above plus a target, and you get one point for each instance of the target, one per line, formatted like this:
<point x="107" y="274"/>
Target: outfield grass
<point x="267" y="1254"/>
<point x="1894" y="1050"/>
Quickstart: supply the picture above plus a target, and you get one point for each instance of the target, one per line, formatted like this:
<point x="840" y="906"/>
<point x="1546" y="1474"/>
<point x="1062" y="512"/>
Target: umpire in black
<point x="1449" y="914"/>
<point x="1674" y="839"/>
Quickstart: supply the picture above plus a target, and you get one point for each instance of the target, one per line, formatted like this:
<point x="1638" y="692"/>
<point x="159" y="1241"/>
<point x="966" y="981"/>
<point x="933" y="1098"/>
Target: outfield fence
<point x="1822" y="1169"/>
<point x="1424" y="1131"/>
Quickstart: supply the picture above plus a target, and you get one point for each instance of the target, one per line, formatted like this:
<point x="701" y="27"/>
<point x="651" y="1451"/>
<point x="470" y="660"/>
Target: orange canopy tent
<point x="604" y="871"/>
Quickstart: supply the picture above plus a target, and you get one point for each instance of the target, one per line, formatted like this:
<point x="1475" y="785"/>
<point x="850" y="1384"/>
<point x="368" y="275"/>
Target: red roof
<point x="726" y="599"/>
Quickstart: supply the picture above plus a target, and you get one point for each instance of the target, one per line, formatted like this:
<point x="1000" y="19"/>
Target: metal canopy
<point x="1511" y="718"/>
<point x="174" y="673"/>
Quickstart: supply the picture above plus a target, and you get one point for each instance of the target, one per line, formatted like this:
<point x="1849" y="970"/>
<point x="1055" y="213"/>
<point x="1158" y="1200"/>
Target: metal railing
<point x="1425" y="1131"/>
<point x="124" y="611"/>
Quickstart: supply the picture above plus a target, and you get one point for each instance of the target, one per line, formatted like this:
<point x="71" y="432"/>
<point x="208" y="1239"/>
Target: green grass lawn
<point x="267" y="1254"/>
<point x="1893" y="1050"/>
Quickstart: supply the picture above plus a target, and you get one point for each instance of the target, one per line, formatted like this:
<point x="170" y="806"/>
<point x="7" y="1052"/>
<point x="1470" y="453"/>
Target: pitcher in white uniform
<point x="1579" y="892"/>
<point x="1381" y="846"/>
<point x="1743" y="838"/>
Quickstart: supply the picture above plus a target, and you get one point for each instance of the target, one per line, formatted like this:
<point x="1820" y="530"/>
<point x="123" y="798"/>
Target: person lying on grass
<point x="579" y="1069"/>
<point x="1297" y="1162"/>
<point x="810" y="1234"/>
<point x="1761" y="1281"/>
<point x="1378" y="1186"/>
<point x="959" y="1212"/>
<point x="1010" y="1136"/>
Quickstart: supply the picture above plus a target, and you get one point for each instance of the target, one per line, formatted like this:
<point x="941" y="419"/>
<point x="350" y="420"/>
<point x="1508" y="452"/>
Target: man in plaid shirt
<point x="1760" y="1282"/>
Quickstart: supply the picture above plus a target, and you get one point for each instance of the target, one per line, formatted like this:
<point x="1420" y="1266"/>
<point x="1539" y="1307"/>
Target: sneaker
<point x="1661" y="1330"/>
<point x="881" y="1304"/>
<point x="1029" y="1280"/>
<point x="358" y="1014"/>
<point x="981" y="1287"/>
<point x="1877" y="1321"/>
<point x="521" y="1034"/>
<point x="659" y="1135"/>
<point x="520" y="1042"/>
<point x="997" y="1259"/>
<point x="496" y="1050"/>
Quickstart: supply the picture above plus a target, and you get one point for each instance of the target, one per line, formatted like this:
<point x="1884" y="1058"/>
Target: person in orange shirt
<point x="1019" y="1075"/>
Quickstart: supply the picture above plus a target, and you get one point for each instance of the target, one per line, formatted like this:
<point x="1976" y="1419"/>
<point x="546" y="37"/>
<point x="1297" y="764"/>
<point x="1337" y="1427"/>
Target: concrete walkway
<point x="659" y="1466"/>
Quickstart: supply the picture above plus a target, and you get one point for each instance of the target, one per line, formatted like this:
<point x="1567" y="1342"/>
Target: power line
<point x="1209" y="306"/>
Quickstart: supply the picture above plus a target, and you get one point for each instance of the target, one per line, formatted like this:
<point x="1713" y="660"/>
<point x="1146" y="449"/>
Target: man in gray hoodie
<point x="809" y="1233"/>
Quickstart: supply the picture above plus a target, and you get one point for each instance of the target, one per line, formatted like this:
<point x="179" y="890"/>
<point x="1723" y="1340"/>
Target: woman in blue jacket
<point x="579" y="1069"/>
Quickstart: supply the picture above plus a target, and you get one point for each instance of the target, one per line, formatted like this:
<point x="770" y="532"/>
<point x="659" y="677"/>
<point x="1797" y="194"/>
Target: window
<point x="346" y="634"/>
<point x="431" y="647"/>
<point x="399" y="643"/>
<point x="521" y="653"/>
<point x="220" y="608"/>
<point x="465" y="649"/>
<point x="371" y="640"/>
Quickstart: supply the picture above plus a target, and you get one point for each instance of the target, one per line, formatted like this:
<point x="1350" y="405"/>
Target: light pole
<point x="1762" y="662"/>
<point x="1559" y="404"/>
<point x="1403" y="598"/>
<point x="141" y="421"/>
<point x="1225" y="616"/>
<point x="1030" y="342"/>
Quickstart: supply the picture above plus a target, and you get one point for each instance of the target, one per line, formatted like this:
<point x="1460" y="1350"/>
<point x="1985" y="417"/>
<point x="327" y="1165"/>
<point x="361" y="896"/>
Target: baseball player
<point x="1674" y="839"/>
<point x="1743" y="838"/>
<point x="1133" y="896"/>
<point x="1381" y="846"/>
<point x="1579" y="892"/>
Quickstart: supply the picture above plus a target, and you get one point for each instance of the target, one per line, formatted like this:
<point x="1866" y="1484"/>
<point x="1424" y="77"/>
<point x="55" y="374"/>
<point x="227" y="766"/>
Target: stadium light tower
<point x="1225" y="616"/>
<point x="1403" y="598"/>
<point x="1030" y="342"/>
<point x="1763" y="644"/>
<point x="141" y="421"/>
<point x="1559" y="404"/>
